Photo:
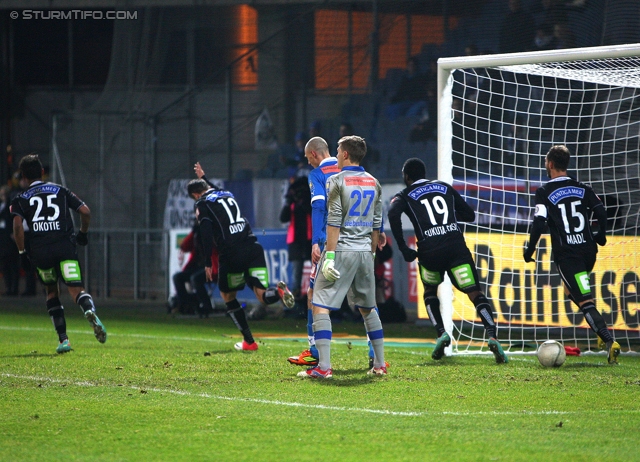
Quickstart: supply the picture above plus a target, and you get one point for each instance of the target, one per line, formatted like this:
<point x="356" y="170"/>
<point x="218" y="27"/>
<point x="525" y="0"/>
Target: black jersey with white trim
<point x="567" y="204"/>
<point x="45" y="207"/>
<point x="230" y="228"/>
<point x="434" y="208"/>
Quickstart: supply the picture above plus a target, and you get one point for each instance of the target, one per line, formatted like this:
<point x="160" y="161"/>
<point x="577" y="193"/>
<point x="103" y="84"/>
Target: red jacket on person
<point x="189" y="245"/>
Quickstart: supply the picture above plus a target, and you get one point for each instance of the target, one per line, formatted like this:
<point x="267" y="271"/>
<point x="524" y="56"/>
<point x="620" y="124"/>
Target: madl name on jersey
<point x="46" y="226"/>
<point x="575" y="238"/>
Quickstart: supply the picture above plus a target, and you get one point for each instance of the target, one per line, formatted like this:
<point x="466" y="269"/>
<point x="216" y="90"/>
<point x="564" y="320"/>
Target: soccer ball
<point x="551" y="354"/>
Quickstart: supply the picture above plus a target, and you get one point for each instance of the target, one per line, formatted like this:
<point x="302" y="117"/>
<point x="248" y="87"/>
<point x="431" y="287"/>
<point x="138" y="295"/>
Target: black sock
<point x="483" y="308"/>
<point x="596" y="321"/>
<point x="56" y="311"/>
<point x="432" y="304"/>
<point x="85" y="301"/>
<point x="270" y="296"/>
<point x="236" y="313"/>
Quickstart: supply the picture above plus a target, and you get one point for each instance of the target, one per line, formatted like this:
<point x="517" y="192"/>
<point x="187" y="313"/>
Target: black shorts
<point x="244" y="265"/>
<point x="575" y="272"/>
<point x="57" y="261"/>
<point x="456" y="261"/>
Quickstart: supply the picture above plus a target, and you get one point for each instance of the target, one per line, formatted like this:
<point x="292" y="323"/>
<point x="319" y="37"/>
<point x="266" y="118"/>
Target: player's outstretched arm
<point x="197" y="168"/>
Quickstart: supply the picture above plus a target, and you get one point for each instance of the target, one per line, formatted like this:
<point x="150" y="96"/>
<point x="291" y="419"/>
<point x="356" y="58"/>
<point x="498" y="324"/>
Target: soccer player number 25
<point x="37" y="201"/>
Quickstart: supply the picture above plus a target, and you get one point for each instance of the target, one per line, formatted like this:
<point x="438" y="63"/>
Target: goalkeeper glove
<point x="409" y="254"/>
<point x="81" y="238"/>
<point x="528" y="253"/>
<point x="328" y="267"/>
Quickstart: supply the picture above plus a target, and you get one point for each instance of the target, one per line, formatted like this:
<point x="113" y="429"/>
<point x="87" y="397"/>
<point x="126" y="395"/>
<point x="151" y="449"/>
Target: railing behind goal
<point x="498" y="116"/>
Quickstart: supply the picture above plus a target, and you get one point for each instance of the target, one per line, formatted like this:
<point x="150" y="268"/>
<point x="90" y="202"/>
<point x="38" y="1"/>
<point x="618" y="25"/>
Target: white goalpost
<point x="498" y="115"/>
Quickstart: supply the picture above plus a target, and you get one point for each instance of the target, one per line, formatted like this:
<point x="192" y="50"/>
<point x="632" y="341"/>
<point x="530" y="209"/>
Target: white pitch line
<point x="88" y="331"/>
<point x="218" y="338"/>
<point x="308" y="406"/>
<point x="224" y="398"/>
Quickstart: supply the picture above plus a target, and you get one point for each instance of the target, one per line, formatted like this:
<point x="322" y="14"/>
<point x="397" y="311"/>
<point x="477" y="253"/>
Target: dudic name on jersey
<point x="236" y="228"/>
<point x="430" y="188"/>
<point x="568" y="191"/>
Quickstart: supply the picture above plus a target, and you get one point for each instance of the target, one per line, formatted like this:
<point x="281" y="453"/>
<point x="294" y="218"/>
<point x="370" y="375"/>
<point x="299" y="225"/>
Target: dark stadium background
<point x="119" y="108"/>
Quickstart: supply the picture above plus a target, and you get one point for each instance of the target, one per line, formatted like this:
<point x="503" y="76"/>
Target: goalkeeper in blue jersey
<point x="354" y="219"/>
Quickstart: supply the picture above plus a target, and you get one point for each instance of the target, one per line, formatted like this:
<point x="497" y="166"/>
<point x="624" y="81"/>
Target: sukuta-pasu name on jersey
<point x="441" y="230"/>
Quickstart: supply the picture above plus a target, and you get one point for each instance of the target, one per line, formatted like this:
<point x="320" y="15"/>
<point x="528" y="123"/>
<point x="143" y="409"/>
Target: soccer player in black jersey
<point x="240" y="255"/>
<point x="434" y="208"/>
<point x="566" y="205"/>
<point x="45" y="207"/>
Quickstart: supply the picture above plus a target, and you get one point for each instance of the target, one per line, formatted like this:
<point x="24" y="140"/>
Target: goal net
<point x="498" y="116"/>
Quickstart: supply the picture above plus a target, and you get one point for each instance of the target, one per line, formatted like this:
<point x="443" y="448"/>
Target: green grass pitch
<point x="166" y="388"/>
